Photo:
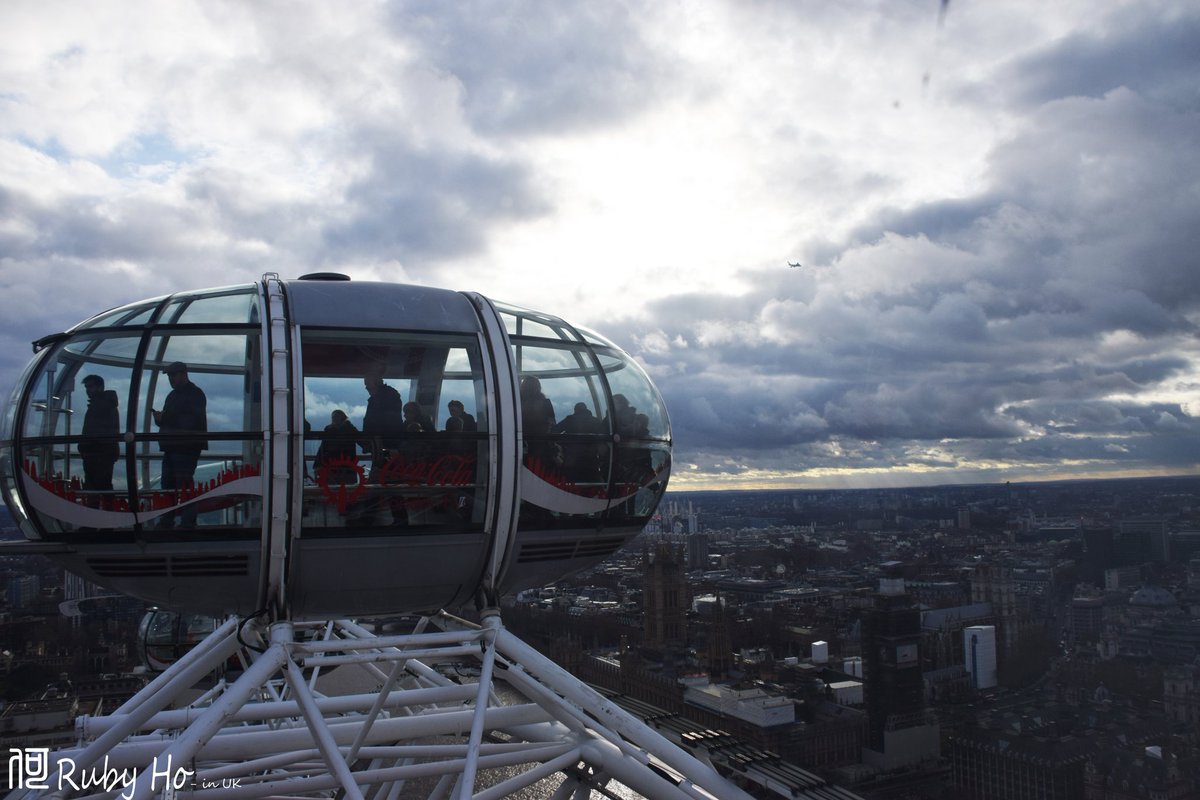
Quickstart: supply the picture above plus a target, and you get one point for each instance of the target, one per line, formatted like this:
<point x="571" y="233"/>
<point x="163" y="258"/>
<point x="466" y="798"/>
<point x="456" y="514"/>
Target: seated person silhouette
<point x="581" y="458"/>
<point x="415" y="415"/>
<point x="458" y="411"/>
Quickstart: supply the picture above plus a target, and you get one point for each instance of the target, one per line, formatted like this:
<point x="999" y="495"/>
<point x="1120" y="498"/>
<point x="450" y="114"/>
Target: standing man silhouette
<point x="185" y="411"/>
<point x="101" y="426"/>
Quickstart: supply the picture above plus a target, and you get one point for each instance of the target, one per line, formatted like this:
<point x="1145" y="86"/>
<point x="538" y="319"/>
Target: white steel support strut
<point x="452" y="709"/>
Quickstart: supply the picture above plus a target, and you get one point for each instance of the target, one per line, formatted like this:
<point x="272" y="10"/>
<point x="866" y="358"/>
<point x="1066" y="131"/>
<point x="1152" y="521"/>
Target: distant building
<point x="979" y="655"/>
<point x="1141" y="540"/>
<point x="987" y="765"/>
<point x="847" y="693"/>
<point x="1169" y="642"/>
<point x="1185" y="545"/>
<point x="697" y="551"/>
<point x="1136" y="774"/>
<point x="1086" y="621"/>
<point x="664" y="600"/>
<point x="720" y="644"/>
<point x="751" y="705"/>
<point x="751" y="590"/>
<point x="23" y="591"/>
<point x="942" y="633"/>
<point x="899" y="731"/>
<point x="995" y="585"/>
<point x="1122" y="577"/>
<point x="1181" y="696"/>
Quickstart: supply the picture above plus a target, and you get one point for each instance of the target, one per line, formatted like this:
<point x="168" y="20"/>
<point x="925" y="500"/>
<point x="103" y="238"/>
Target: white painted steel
<point x="524" y="722"/>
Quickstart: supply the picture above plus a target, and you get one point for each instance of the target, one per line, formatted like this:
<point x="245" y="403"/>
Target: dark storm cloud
<point x="1154" y="54"/>
<point x="64" y="261"/>
<point x="534" y="67"/>
<point x="422" y="205"/>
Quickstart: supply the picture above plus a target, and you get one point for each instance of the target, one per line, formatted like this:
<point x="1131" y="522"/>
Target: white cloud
<point x="995" y="214"/>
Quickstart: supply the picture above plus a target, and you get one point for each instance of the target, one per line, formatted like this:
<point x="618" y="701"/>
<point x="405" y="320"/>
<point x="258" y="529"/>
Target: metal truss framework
<point x="270" y="731"/>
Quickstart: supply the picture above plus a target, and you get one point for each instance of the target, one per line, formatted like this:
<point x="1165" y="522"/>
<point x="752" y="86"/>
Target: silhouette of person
<point x="537" y="420"/>
<point x="622" y="420"/>
<point x="454" y="444"/>
<point x="383" y="421"/>
<point x="185" y="411"/>
<point x="463" y="448"/>
<point x="581" y="459"/>
<point x="580" y="420"/>
<point x="101" y="426"/>
<point x="414" y="414"/>
<point x="338" y="447"/>
<point x="458" y="411"/>
<point x="414" y="448"/>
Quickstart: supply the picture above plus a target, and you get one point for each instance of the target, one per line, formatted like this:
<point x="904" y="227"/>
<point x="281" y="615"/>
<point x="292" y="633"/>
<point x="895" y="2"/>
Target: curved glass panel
<point x="166" y="636"/>
<point x="396" y="429"/>
<point x="199" y="423"/>
<point x="237" y="304"/>
<point x="523" y="322"/>
<point x="640" y="412"/>
<point x="591" y="337"/>
<point x="567" y="449"/>
<point x="9" y="468"/>
<point x="132" y="314"/>
<point x="95" y="456"/>
<point x="58" y="399"/>
<point x="9" y="422"/>
<point x="640" y="473"/>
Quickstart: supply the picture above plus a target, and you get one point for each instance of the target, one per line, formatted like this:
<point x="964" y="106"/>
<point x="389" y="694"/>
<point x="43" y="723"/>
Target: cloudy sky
<point x="996" y="204"/>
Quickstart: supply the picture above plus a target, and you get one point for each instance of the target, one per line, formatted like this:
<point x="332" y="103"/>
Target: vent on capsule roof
<point x="324" y="276"/>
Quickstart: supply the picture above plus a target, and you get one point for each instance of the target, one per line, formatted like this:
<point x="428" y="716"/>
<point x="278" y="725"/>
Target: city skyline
<point x="865" y="246"/>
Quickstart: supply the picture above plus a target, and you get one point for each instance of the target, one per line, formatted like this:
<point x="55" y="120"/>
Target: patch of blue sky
<point x="141" y="155"/>
<point x="50" y="147"/>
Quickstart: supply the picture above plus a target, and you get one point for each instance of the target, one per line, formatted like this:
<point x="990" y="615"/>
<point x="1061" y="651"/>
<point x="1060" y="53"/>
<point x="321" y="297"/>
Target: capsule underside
<point x="556" y="453"/>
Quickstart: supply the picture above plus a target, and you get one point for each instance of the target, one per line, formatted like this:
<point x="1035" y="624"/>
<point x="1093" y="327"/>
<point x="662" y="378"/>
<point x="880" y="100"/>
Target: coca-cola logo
<point x="342" y="481"/>
<point x="449" y="470"/>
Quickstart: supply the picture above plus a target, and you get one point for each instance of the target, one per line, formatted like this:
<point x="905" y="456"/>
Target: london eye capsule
<point x="325" y="447"/>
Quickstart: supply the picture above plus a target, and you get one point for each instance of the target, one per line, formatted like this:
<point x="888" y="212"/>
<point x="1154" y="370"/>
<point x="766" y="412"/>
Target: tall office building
<point x="979" y="655"/>
<point x="720" y="643"/>
<point x="697" y="551"/>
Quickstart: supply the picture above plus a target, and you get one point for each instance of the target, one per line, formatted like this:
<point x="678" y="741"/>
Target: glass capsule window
<point x="595" y="435"/>
<point x="133" y="314"/>
<point x="396" y="432"/>
<point x="521" y="322"/>
<point x="145" y="429"/>
<point x="233" y="305"/>
<point x="199" y="428"/>
<point x="74" y="421"/>
<point x="639" y="409"/>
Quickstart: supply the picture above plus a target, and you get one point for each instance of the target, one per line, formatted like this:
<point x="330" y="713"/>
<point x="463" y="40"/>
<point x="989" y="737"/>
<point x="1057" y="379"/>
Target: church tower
<point x="994" y="584"/>
<point x="664" y="600"/>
